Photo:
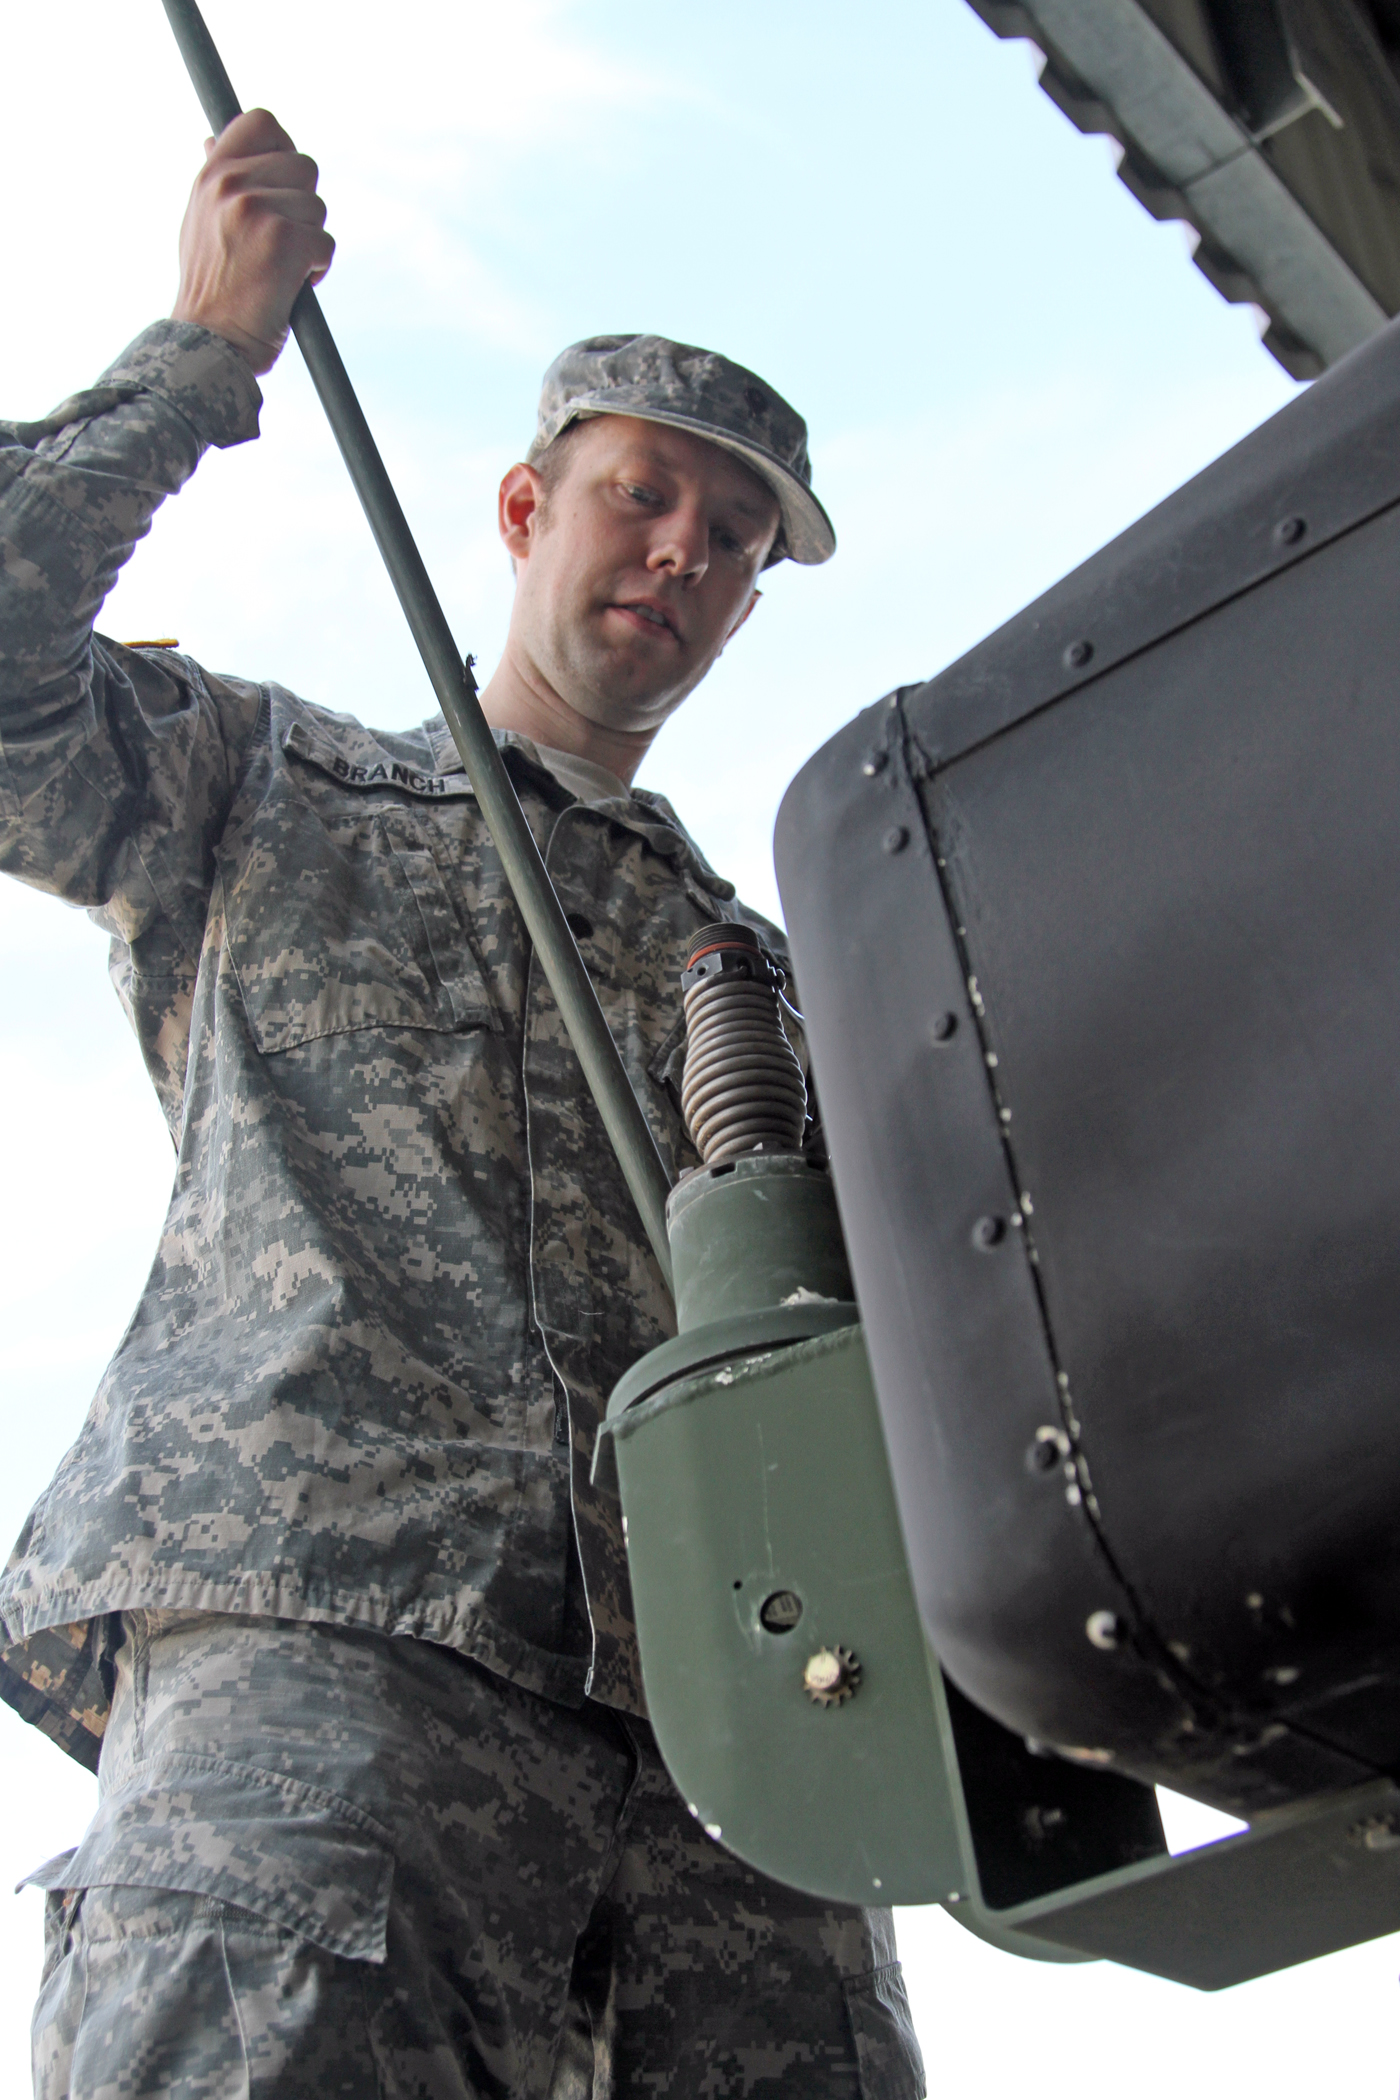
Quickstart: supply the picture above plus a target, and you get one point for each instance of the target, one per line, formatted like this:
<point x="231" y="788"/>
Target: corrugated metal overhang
<point x="1270" y="126"/>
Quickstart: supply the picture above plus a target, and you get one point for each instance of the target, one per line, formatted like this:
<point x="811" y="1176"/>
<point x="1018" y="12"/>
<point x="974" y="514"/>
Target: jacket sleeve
<point x="117" y="766"/>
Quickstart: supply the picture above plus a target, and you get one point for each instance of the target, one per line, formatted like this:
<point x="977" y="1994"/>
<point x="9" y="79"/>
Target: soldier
<point x="324" y="1578"/>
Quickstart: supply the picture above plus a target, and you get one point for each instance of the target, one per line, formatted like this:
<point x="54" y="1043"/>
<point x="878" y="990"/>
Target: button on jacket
<point x="400" y="1270"/>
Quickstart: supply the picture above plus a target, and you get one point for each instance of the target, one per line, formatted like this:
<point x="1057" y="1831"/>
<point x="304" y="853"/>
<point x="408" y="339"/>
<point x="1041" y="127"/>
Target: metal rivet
<point x="1378" y="1833"/>
<point x="1289" y="531"/>
<point x="1047" y="1449"/>
<point x="832" y="1676"/>
<point x="987" y="1232"/>
<point x="1104" y="1628"/>
<point x="895" y="839"/>
<point x="1077" y="655"/>
<point x="876" y="763"/>
<point x="944" y="1028"/>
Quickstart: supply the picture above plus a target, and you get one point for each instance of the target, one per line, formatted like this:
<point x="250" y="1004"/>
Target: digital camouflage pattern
<point x="400" y="1271"/>
<point x="700" y="391"/>
<point x="328" y="1863"/>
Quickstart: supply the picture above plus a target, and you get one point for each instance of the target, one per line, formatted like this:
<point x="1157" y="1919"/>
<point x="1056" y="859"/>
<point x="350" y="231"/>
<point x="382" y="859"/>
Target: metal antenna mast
<point x="452" y="682"/>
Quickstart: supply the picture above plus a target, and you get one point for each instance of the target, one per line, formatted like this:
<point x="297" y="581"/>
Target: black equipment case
<point x="1098" y="937"/>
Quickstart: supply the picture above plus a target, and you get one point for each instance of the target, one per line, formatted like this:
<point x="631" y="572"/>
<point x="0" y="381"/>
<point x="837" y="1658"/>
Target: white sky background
<point x="1003" y="362"/>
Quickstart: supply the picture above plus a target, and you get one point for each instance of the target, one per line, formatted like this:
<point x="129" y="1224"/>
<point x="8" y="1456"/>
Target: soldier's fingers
<point x="255" y="131"/>
<point x="326" y="246"/>
<point x="265" y="171"/>
<point x="296" y="205"/>
<point x="289" y="240"/>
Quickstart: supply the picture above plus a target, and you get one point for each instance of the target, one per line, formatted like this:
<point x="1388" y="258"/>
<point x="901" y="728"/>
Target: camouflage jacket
<point x="400" y="1271"/>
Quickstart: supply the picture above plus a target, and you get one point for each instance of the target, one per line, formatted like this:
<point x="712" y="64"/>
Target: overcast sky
<point x="1003" y="361"/>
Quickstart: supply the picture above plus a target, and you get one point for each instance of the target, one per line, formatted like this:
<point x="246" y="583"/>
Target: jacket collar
<point x="645" y="812"/>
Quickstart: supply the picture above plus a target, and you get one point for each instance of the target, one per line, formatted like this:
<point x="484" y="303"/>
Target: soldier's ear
<point x="518" y="508"/>
<point x="754" y="597"/>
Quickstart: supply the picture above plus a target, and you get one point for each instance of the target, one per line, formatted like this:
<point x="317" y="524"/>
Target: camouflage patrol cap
<point x="699" y="391"/>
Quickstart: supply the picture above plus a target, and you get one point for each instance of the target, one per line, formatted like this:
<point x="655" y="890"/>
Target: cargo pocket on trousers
<point x="292" y="1854"/>
<point x="888" y="2057"/>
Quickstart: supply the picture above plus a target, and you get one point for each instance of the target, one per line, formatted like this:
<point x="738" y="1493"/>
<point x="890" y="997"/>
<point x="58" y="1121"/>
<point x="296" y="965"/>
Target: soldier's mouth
<point x="648" y="618"/>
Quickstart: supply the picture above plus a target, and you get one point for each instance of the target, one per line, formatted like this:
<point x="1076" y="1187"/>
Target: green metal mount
<point x="762" y="1535"/>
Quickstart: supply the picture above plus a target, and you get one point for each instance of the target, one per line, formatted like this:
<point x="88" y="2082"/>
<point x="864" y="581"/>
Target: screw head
<point x="780" y="1612"/>
<point x="1077" y="655"/>
<point x="875" y="763"/>
<point x="1104" y="1628"/>
<point x="895" y="839"/>
<point x="988" y="1232"/>
<point x="1289" y="531"/>
<point x="944" y="1027"/>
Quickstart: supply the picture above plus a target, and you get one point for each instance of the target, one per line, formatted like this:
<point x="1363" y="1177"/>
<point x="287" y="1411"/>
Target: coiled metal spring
<point x="743" y="1089"/>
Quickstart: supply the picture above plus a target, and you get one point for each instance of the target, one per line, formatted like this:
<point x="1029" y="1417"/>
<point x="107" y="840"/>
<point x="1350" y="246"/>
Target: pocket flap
<point x="356" y="760"/>
<point x="53" y="1874"/>
<point x="303" y="1859"/>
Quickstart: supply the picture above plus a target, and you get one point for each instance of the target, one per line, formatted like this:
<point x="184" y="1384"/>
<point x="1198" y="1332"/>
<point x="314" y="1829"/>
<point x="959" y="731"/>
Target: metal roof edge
<point x="1110" y="69"/>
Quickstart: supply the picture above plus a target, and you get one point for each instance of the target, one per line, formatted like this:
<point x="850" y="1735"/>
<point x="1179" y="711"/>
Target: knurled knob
<point x="831" y="1676"/>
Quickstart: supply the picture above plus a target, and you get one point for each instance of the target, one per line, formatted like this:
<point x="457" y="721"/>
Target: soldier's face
<point x="636" y="569"/>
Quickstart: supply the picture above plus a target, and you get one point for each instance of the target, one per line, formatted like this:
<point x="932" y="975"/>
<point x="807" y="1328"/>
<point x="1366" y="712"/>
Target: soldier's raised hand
<point x="254" y="233"/>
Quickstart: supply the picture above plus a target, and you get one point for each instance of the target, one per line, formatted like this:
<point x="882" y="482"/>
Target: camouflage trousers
<point x="328" y="1863"/>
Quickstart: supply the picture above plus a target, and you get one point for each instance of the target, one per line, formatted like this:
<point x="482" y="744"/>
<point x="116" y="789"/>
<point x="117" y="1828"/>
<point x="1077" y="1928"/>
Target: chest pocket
<point x="347" y="921"/>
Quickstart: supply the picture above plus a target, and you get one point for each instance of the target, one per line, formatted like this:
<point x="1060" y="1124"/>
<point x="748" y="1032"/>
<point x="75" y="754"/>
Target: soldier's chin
<point x="630" y="706"/>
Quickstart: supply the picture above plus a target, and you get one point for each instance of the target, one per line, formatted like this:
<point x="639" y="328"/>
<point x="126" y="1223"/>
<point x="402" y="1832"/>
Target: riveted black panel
<point x="930" y="1209"/>
<point x="1109" y="1060"/>
<point x="1325" y="462"/>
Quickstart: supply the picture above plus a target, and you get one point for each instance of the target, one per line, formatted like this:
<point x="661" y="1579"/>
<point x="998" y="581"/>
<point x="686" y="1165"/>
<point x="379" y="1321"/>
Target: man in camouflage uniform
<point x="324" y="1578"/>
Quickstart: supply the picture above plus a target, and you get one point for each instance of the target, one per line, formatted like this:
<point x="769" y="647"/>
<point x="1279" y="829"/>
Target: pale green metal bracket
<point x="769" y="1476"/>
